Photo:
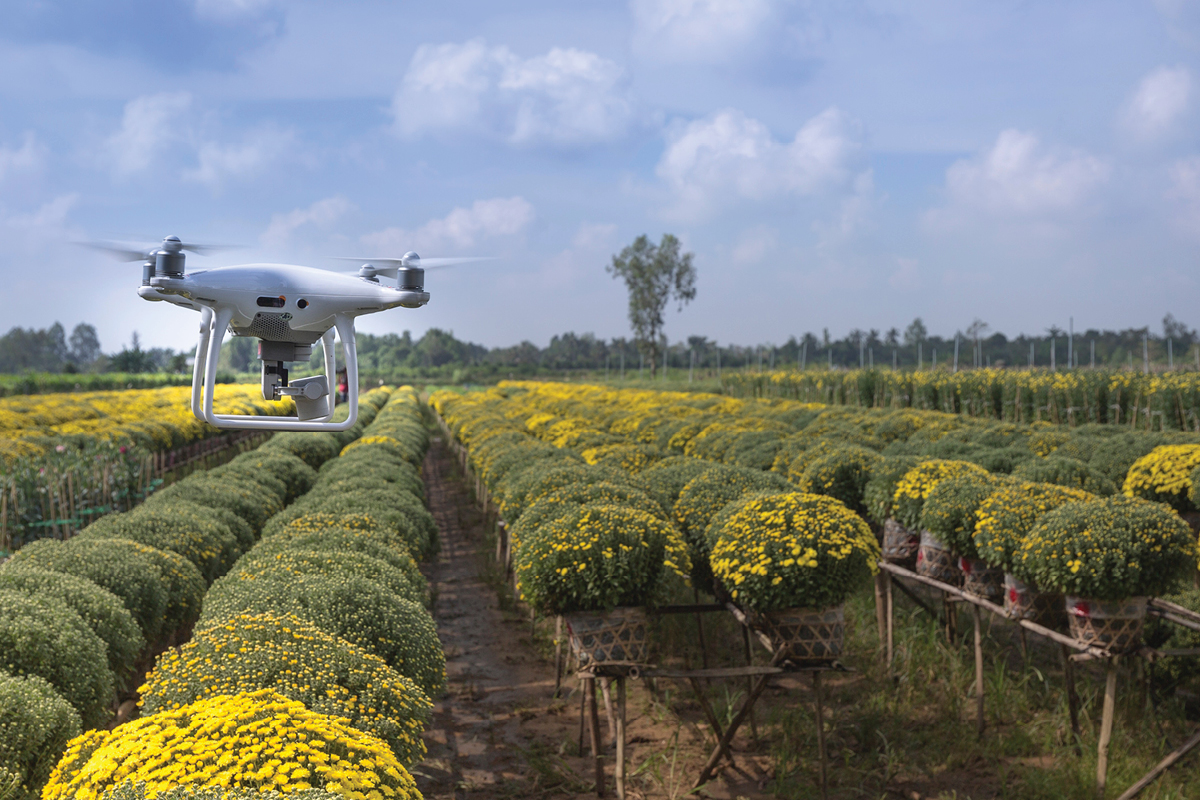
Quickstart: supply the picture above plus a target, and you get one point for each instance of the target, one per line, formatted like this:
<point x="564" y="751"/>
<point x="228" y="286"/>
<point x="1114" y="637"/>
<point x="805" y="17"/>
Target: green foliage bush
<point x="40" y="637"/>
<point x="915" y="485"/>
<point x="239" y="494"/>
<point x="880" y="488"/>
<point x="281" y="564"/>
<point x="1110" y="549"/>
<point x="1007" y="516"/>
<point x="1064" y="471"/>
<point x="35" y="725"/>
<point x="842" y="475"/>
<point x="120" y="566"/>
<point x="297" y="476"/>
<point x="950" y="511"/>
<point x="665" y="479"/>
<point x="314" y="449"/>
<point x="357" y="609"/>
<point x="99" y="608"/>
<point x="598" y="557"/>
<point x="299" y="661"/>
<point x="186" y="528"/>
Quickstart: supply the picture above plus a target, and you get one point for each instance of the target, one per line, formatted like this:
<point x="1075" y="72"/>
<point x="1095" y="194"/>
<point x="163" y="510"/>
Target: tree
<point x="84" y="344"/>
<point x="1174" y="329"/>
<point x="654" y="275"/>
<point x="133" y="358"/>
<point x="915" y="333"/>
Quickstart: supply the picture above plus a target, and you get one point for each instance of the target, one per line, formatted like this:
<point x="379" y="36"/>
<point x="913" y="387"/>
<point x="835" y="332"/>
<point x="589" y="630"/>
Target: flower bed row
<point x="312" y="664"/>
<point x="84" y="617"/>
<point x="752" y="535"/>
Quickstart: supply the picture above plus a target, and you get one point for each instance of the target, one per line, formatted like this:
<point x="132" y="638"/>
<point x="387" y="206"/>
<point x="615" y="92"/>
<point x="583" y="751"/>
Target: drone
<point x="288" y="309"/>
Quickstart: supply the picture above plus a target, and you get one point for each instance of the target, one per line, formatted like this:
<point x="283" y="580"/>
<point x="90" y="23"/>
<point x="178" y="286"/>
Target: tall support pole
<point x="594" y="728"/>
<point x="881" y="607"/>
<point x="1106" y="725"/>
<point x="619" y="769"/>
<point x="558" y="654"/>
<point x="821" y="734"/>
<point x="979" y="721"/>
<point x="1072" y="696"/>
<point x="749" y="680"/>
<point x="891" y="624"/>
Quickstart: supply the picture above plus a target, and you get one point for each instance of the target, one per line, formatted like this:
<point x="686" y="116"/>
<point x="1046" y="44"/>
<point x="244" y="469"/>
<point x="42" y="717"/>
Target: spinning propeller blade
<point x="142" y="252"/>
<point x="413" y="260"/>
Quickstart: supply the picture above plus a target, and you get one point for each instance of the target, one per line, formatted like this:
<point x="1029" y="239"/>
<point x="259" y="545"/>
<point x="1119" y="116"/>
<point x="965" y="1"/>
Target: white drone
<point x="288" y="308"/>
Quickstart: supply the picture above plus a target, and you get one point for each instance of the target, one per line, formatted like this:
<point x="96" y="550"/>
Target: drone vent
<point x="272" y="327"/>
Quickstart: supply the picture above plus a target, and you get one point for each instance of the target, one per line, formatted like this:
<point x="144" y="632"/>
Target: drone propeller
<point x="172" y="244"/>
<point x="410" y="263"/>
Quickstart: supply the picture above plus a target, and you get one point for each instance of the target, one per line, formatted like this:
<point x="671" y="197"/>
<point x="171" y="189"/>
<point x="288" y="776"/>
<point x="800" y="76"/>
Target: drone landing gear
<point x="314" y="404"/>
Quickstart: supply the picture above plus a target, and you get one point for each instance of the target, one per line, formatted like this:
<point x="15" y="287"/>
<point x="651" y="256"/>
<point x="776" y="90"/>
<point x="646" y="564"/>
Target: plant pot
<point x="805" y="634"/>
<point x="600" y="637"/>
<point x="935" y="560"/>
<point x="1025" y="601"/>
<point x="981" y="579"/>
<point x="1114" y="625"/>
<point x="899" y="544"/>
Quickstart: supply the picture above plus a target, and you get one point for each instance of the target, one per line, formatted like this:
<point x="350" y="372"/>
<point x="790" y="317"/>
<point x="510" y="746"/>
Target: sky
<point x="830" y="164"/>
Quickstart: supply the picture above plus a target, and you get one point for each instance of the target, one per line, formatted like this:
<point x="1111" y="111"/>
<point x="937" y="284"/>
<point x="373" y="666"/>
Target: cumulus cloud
<point x="697" y="30"/>
<point x="1020" y="178"/>
<point x="25" y="158"/>
<point x="565" y="97"/>
<point x="150" y="123"/>
<point x="731" y="156"/>
<point x="1160" y="101"/>
<point x="234" y="10"/>
<point x="462" y="227"/>
<point x="321" y="214"/>
<point x="218" y="162"/>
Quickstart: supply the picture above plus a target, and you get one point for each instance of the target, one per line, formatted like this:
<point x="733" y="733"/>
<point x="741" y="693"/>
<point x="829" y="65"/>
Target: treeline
<point x="439" y="355"/>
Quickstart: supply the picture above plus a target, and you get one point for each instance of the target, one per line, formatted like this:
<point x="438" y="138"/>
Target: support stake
<point x="594" y="727"/>
<point x="1106" y="725"/>
<point x="980" y="722"/>
<point x="619" y="770"/>
<point x="821" y="735"/>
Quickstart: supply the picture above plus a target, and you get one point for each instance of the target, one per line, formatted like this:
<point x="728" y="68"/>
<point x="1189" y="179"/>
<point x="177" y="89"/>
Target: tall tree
<point x="654" y="274"/>
<point x="85" y="345"/>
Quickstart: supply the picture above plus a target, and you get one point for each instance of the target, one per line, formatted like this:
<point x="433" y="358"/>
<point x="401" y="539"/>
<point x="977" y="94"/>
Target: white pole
<point x="1070" y="341"/>
<point x="956" y="352"/>
<point x="1170" y="353"/>
<point x="1053" y="348"/>
<point x="1093" y="353"/>
<point x="920" y="355"/>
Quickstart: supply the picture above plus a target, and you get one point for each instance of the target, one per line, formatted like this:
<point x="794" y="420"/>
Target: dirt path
<point x="498" y="733"/>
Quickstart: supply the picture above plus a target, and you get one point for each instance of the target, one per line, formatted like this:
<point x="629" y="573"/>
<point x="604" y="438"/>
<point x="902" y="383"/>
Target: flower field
<point x="66" y="459"/>
<point x="277" y="603"/>
<point x="1142" y="401"/>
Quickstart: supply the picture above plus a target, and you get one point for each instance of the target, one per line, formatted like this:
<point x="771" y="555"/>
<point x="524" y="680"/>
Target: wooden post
<point x="558" y="654"/>
<point x="1106" y="725"/>
<point x="749" y="680"/>
<point x="891" y="624"/>
<point x="734" y="724"/>
<point x="881" y="608"/>
<point x="501" y="535"/>
<point x="1072" y="696"/>
<point x="608" y="707"/>
<point x="700" y="629"/>
<point x="619" y="768"/>
<point x="951" y="618"/>
<point x="1161" y="767"/>
<point x="816" y="676"/>
<point x="594" y="728"/>
<point x="980" y="722"/>
<point x="582" y="712"/>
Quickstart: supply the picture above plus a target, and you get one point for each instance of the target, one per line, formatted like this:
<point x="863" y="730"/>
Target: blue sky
<point x="840" y="165"/>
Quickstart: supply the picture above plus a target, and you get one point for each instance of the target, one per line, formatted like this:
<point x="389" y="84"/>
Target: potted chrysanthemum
<point x="950" y="515"/>
<point x="1107" y="556"/>
<point x="935" y="559"/>
<point x="793" y="559"/>
<point x="599" y="565"/>
<point x="1004" y="519"/>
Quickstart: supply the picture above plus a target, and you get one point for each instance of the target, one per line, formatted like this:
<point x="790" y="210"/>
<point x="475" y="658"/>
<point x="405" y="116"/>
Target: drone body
<point x="288" y="309"/>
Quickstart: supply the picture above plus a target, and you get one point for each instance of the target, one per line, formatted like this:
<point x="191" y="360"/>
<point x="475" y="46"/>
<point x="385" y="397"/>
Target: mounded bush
<point x="880" y="489"/>
<point x="665" y="479"/>
<point x="281" y="564"/>
<point x="120" y="566"/>
<point x="301" y="662"/>
<point x="223" y="741"/>
<point x="314" y="449"/>
<point x="131" y="790"/>
<point x="793" y="550"/>
<point x="40" y="637"/>
<point x="916" y="484"/>
<point x="1165" y="476"/>
<point x="1007" y="516"/>
<point x="297" y="476"/>
<point x="842" y="475"/>
<point x="230" y="491"/>
<point x="1070" y="472"/>
<point x="950" y="512"/>
<point x="35" y="725"/>
<point x="181" y="527"/>
<point x="99" y="608"/>
<point x="357" y="609"/>
<point x="598" y="557"/>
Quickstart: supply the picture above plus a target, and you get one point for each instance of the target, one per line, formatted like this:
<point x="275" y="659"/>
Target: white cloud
<point x="754" y="244"/>
<point x="321" y="214"/>
<point x="593" y="235"/>
<point x="233" y="10"/>
<point x="729" y="155"/>
<point x="565" y="97"/>
<point x="1159" y="102"/>
<point x="1185" y="190"/>
<point x="462" y="227"/>
<point x="149" y="124"/>
<point x="1018" y="177"/>
<point x="27" y="157"/>
<point x="218" y="162"/>
<point x="697" y="30"/>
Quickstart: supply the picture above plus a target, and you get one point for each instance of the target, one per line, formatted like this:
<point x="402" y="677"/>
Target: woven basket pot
<point x="805" y="634"/>
<point x="899" y="544"/>
<point x="935" y="560"/>
<point x="601" y="637"/>
<point x="1025" y="601"/>
<point x="981" y="579"/>
<point x="1114" y="625"/>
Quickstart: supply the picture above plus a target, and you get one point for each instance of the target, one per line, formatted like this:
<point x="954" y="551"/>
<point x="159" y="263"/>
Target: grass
<point x="917" y="733"/>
